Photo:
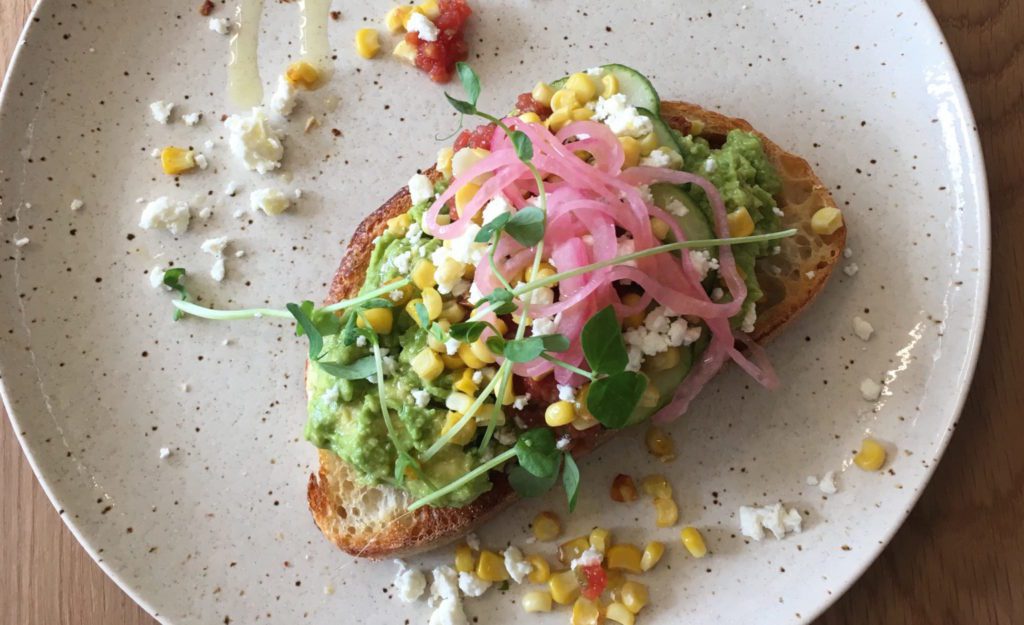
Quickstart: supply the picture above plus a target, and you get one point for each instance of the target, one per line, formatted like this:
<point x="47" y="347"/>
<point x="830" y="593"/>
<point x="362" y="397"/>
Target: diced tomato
<point x="594" y="581"/>
<point x="438" y="58"/>
<point x="477" y="138"/>
<point x="526" y="104"/>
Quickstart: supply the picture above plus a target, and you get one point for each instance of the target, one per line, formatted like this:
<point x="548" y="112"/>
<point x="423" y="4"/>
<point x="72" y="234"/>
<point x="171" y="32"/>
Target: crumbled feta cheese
<point x="254" y="142"/>
<point x="717" y="293"/>
<point x="566" y="392"/>
<point x="421" y="188"/>
<point x="473" y="541"/>
<point x="862" y="328"/>
<point x="164" y="453"/>
<point x="191" y="119"/>
<point x="231" y="189"/>
<point x="594" y="71"/>
<point x="297" y="194"/>
<point x="161" y="213"/>
<point x="710" y="165"/>
<point x="496" y="208"/>
<point x="402" y="261"/>
<point x="636" y="358"/>
<point x="205" y="212"/>
<point x="810" y="274"/>
<point x="851" y="269"/>
<point x="590" y="557"/>
<point x="545" y="325"/>
<point x="475" y="294"/>
<point x="220" y="25"/>
<point x="448" y="612"/>
<point x="396" y="296"/>
<point x="414" y="234"/>
<point x="270" y="200"/>
<point x="22" y="242"/>
<point x="663" y="157"/>
<point x="478" y="376"/>
<point x="848" y="253"/>
<point x="409" y="583"/>
<point x="77" y="204"/>
<point x="563" y="443"/>
<point x="516" y="565"/>
<point x="445" y="584"/>
<point x="284" y="99"/>
<point x="471" y="585"/>
<point x="749" y="319"/>
<point x="659" y="331"/>
<point x="156" y="278"/>
<point x="703" y="262"/>
<point x="677" y="208"/>
<point x="201" y="161"/>
<point x="421" y="397"/>
<point x="506" y="436"/>
<point x="542" y="296"/>
<point x="778" y="212"/>
<point x="161" y="111"/>
<point x="622" y="119"/>
<point x="360" y="341"/>
<point x="645" y="194"/>
<point x="465" y="249"/>
<point x="330" y="396"/>
<point x="215" y="246"/>
<point x="521" y="401"/>
<point x="218" y="270"/>
<point x="421" y="25"/>
<point x="774" y="518"/>
<point x="827" y="484"/>
<point x="870" y="390"/>
<point x="451" y="346"/>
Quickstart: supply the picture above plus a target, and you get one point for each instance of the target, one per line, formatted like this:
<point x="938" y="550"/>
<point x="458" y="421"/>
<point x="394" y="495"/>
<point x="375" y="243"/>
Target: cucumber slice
<point x="693" y="223"/>
<point x="633" y="84"/>
<point x="661" y="130"/>
<point x="665" y="382"/>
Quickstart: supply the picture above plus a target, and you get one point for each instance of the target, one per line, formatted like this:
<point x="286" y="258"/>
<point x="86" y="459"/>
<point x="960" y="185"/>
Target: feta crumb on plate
<point x="774" y="518"/>
<point x="191" y="119"/>
<point x="851" y="269"/>
<point x="77" y="204"/>
<point x="445" y="584"/>
<point x="471" y="585"/>
<point x="284" y="99"/>
<point x="516" y="565"/>
<point x="156" y="278"/>
<point x="220" y="25"/>
<point x="473" y="541"/>
<point x="162" y="213"/>
<point x="448" y="612"/>
<point x="421" y="189"/>
<point x="870" y="390"/>
<point x="254" y="142"/>
<point x="271" y="201"/>
<point x="862" y="328"/>
<point x="566" y="392"/>
<point x="161" y="110"/>
<point x="22" y="242"/>
<point x="164" y="453"/>
<point x="421" y="25"/>
<point x="409" y="583"/>
<point x="827" y="484"/>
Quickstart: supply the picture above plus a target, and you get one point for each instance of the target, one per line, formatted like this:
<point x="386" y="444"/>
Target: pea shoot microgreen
<point x="172" y="279"/>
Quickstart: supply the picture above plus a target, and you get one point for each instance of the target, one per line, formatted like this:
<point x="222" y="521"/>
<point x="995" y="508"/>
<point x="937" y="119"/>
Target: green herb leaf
<point x="172" y="279"/>
<point x="536" y="452"/>
<point x="307" y="327"/>
<point x="404" y="461"/>
<point x="376" y="302"/>
<point x="495" y="225"/>
<point x="437" y="332"/>
<point x="461" y="106"/>
<point x="602" y="343"/>
<point x="470" y="81"/>
<point x="523" y="145"/>
<point x="527" y="226"/>
<point x="524" y="350"/>
<point x="612" y="400"/>
<point x="554" y="342"/>
<point x="358" y="370"/>
<point x="496" y="344"/>
<point x="502" y="300"/>
<point x="421" y="313"/>
<point x="468" y="331"/>
<point x="528" y="485"/>
<point x="351" y="332"/>
<point x="571" y="481"/>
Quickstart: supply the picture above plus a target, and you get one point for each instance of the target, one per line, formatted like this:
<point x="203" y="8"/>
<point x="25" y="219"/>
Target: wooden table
<point x="958" y="560"/>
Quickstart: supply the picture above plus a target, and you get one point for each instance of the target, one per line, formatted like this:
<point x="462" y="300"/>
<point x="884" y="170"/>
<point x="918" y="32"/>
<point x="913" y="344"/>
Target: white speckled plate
<point x="97" y="378"/>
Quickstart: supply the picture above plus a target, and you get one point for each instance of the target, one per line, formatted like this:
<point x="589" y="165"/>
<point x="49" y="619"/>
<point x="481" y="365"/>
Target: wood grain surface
<point x="958" y="560"/>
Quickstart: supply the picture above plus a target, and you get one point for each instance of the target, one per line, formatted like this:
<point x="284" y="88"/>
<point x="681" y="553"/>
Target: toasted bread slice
<point x="372" y="521"/>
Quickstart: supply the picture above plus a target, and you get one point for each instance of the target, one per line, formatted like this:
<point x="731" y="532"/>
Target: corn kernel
<point x="177" y="160"/>
<point x="659" y="443"/>
<point x="537" y="601"/>
<point x="871" y="456"/>
<point x="564" y="587"/>
<point x="558" y="120"/>
<point x="827" y="220"/>
<point x="423" y="274"/>
<point x="510" y="395"/>
<point x="609" y="85"/>
<point x="582" y="85"/>
<point x="624" y="557"/>
<point x="464" y="435"/>
<point x="740" y="223"/>
<point x="663" y="360"/>
<point x="435" y="344"/>
<point x="542" y="93"/>
<point x="623" y="488"/>
<point x="483" y="353"/>
<point x="693" y="541"/>
<point x="564" y="99"/>
<point x="572" y="549"/>
<point x="405" y="51"/>
<point x="585" y="612"/>
<point x="452" y="312"/>
<point x="620" y="614"/>
<point x="666" y="512"/>
<point x="303" y="74"/>
<point x="582" y="114"/>
<point x="544" y="270"/>
<point x="466" y="158"/>
<point x="635" y="320"/>
<point x="615" y="580"/>
<point x="546" y="526"/>
<point x="395" y="19"/>
<point x="380" y="319"/>
<point x="659" y="228"/>
<point x="432" y="302"/>
<point x="631" y="148"/>
<point x="584" y="422"/>
<point x="452" y="362"/>
<point x="652" y="554"/>
<point x="657" y="486"/>
<point x="530" y="118"/>
<point x="600" y="539"/>
<point x="465" y="561"/>
<point x="430" y="8"/>
<point x="367" y="42"/>
<point x="405" y="291"/>
<point x="427" y="365"/>
<point x="491" y="567"/>
<point x="464" y="195"/>
<point x="648" y="143"/>
<point x="465" y="383"/>
<point x="398" y="226"/>
<point x="559" y="413"/>
<point x="634" y="596"/>
<point x="541" y="571"/>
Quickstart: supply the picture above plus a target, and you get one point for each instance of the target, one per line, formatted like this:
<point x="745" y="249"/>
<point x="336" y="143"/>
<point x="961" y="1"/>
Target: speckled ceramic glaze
<point x="97" y="377"/>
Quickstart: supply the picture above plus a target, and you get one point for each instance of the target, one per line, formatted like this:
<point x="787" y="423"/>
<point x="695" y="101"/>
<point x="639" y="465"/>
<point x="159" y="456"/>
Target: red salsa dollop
<point x="438" y="58"/>
<point x="477" y="138"/>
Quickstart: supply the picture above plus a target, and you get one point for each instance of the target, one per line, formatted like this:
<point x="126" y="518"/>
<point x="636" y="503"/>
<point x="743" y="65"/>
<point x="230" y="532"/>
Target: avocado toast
<point x="421" y="452"/>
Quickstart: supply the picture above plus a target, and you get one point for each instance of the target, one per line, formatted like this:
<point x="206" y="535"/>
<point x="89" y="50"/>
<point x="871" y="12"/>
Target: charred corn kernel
<point x="871" y="456"/>
<point x="449" y="271"/>
<point x="544" y="270"/>
<point x="537" y="601"/>
<point x="609" y="85"/>
<point x="564" y="587"/>
<point x="542" y="93"/>
<point x="394" y="19"/>
<point x="304" y="74"/>
<point x="624" y="557"/>
<point x="663" y="360"/>
<point x="464" y="559"/>
<point x="659" y="443"/>
<point x="657" y="486"/>
<point x="666" y="512"/>
<point x="432" y="302"/>
<point x="541" y="571"/>
<point x="559" y="413"/>
<point x="546" y="526"/>
<point x="634" y="596"/>
<point x="652" y="554"/>
<point x="585" y="612"/>
<point x="367" y="42"/>
<point x="600" y="539"/>
<point x="482" y="352"/>
<point x="510" y="394"/>
<point x="693" y="541"/>
<point x="468" y="357"/>
<point x="423" y="274"/>
<point x="659" y="228"/>
<point x="430" y="8"/>
<point x="619" y="613"/>
<point x="405" y="51"/>
<point x="635" y="320"/>
<point x="648" y="143"/>
<point x="465" y="194"/>
<point x="444" y="161"/>
<point x="631" y="147"/>
<point x="464" y="435"/>
<point x="740" y="223"/>
<point x="582" y="114"/>
<point x="651" y="395"/>
<point x="177" y="160"/>
<point x="827" y="220"/>
<point x="380" y="319"/>
<point x="583" y="86"/>
<point x="398" y="226"/>
<point x="427" y="365"/>
<point x="453" y="363"/>
<point x="573" y="548"/>
<point x="530" y="118"/>
<point x="452" y="312"/>
<point x="491" y="567"/>
<point x="558" y="120"/>
<point x="564" y="99"/>
<point x="623" y="488"/>
<point x="696" y="127"/>
<point x="465" y="383"/>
